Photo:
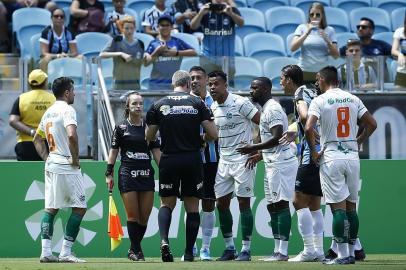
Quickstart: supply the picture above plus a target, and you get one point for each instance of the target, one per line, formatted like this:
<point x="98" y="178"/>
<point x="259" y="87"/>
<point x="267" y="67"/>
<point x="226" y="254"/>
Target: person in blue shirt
<point x="165" y="52"/>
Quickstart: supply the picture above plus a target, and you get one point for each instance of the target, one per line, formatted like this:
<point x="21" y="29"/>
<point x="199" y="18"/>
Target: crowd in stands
<point x="216" y="26"/>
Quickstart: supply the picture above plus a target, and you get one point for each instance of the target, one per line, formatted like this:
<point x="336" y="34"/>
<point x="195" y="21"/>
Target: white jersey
<point x="273" y="115"/>
<point x="53" y="128"/>
<point x="338" y="112"/>
<point x="233" y="121"/>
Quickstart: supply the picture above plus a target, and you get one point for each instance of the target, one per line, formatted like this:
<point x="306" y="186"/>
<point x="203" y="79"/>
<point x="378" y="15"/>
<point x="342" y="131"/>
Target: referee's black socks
<point x="192" y="228"/>
<point x="164" y="222"/>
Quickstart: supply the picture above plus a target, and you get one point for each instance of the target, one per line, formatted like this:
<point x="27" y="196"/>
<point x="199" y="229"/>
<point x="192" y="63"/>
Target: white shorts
<point x="279" y="182"/>
<point x="64" y="190"/>
<point x="339" y="180"/>
<point x="234" y="178"/>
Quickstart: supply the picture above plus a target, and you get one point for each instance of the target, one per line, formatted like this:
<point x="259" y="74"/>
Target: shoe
<point x="205" y="255"/>
<point x="278" y="257"/>
<point x="187" y="257"/>
<point x="48" y="259"/>
<point x="359" y="255"/>
<point x="166" y="254"/>
<point x="330" y="255"/>
<point x="228" y="255"/>
<point x="269" y="258"/>
<point x="320" y="257"/>
<point x="132" y="256"/>
<point x="70" y="259"/>
<point x="351" y="259"/>
<point x="244" y="256"/>
<point x="304" y="257"/>
<point x="195" y="254"/>
<point x="335" y="261"/>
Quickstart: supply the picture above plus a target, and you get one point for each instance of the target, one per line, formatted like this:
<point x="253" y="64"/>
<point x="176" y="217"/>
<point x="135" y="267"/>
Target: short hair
<point x="181" y="78"/>
<point x="218" y="73"/>
<point x="353" y="42"/>
<point x="293" y="72"/>
<point x="329" y="74"/>
<point x="60" y="85"/>
<point x="323" y="21"/>
<point x="371" y="22"/>
<point x="197" y="68"/>
<point x="265" y="81"/>
<point x="53" y="11"/>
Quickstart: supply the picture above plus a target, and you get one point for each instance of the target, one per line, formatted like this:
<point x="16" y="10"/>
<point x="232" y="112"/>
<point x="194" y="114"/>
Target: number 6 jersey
<point x="338" y="112"/>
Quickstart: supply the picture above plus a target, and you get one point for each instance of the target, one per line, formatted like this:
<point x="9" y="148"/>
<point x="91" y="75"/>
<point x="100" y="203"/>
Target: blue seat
<point x="30" y="16"/>
<point x="273" y="67"/>
<point x="188" y="62"/>
<point x="305" y="4"/>
<point x="264" y="5"/>
<point x="294" y="54"/>
<point x="246" y="69"/>
<point x="398" y="18"/>
<point x="24" y="36"/>
<point x="284" y="20"/>
<point x="90" y="44"/>
<point x="384" y="36"/>
<point x="63" y="3"/>
<point x="139" y="5"/>
<point x="381" y="18"/>
<point x="238" y="46"/>
<point x="240" y="3"/>
<point x="342" y="38"/>
<point x="35" y="47"/>
<point x="190" y="39"/>
<point x="338" y="19"/>
<point x="254" y="22"/>
<point x="145" y="76"/>
<point x="349" y="5"/>
<point x="389" y="5"/>
<point x="262" y="46"/>
<point x="107" y="66"/>
<point x="66" y="10"/>
<point x="145" y="38"/>
<point x="69" y="67"/>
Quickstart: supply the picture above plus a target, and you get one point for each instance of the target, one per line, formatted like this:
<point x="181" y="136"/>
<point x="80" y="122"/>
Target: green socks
<point x="353" y="220"/>
<point x="247" y="223"/>
<point x="284" y="224"/>
<point x="340" y="226"/>
<point x="274" y="224"/>
<point x="226" y="223"/>
<point x="47" y="225"/>
<point x="73" y="226"/>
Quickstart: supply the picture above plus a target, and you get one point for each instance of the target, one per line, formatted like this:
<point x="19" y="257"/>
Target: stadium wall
<point x="381" y="212"/>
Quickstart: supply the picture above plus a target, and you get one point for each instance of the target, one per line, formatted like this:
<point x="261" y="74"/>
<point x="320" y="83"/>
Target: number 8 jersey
<point x="338" y="112"/>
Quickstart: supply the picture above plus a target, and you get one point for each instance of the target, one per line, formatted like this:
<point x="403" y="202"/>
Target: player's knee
<point x="244" y="203"/>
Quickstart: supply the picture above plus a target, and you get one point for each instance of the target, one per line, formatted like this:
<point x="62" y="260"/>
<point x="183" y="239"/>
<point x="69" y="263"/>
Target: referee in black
<point x="178" y="117"/>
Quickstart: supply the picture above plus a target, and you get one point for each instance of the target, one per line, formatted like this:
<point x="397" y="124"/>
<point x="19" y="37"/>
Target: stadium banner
<point x="381" y="224"/>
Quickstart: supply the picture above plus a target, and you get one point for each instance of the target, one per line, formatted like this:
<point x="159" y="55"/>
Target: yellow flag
<point x="115" y="230"/>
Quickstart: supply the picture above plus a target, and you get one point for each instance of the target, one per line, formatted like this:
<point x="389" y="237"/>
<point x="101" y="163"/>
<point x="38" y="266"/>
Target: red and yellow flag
<point x="115" y="230"/>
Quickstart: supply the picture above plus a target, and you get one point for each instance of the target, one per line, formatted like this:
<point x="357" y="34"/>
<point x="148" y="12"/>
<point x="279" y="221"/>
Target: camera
<point x="216" y="7"/>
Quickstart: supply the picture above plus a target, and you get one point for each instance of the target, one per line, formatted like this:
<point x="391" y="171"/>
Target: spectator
<point x="128" y="55"/>
<point x="218" y="20"/>
<point x="363" y="75"/>
<point x="185" y="11"/>
<point x="316" y="40"/>
<point x="27" y="112"/>
<point x="17" y="4"/>
<point x="399" y="51"/>
<point x="151" y="16"/>
<point x="112" y="18"/>
<point x="165" y="52"/>
<point x="56" y="40"/>
<point x="86" y="16"/>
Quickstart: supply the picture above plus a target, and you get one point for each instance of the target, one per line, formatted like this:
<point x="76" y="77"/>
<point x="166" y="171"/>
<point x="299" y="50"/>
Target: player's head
<point x="260" y="90"/>
<point x="134" y="104"/>
<point x="218" y="85"/>
<point x="38" y="79"/>
<point x="327" y="78"/>
<point x="63" y="89"/>
<point x="291" y="78"/>
<point x="199" y="81"/>
<point x="181" y="79"/>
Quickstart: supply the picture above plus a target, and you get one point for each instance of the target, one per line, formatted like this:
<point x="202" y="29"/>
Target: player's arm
<point x="156" y="154"/>
<point x="256" y="118"/>
<point x="150" y="133"/>
<point x="301" y="107"/>
<point x="39" y="143"/>
<point x="111" y="160"/>
<point x="73" y="144"/>
<point x="210" y="129"/>
<point x="367" y="125"/>
<point x="277" y="132"/>
<point x="311" y="137"/>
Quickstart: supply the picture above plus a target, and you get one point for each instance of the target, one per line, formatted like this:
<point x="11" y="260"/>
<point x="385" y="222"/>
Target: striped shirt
<point x="211" y="151"/>
<point x="150" y="17"/>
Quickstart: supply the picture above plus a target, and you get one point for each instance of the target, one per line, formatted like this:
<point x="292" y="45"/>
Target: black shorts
<point x="136" y="178"/>
<point x="181" y="175"/>
<point x="209" y="177"/>
<point x="25" y="151"/>
<point x="308" y="180"/>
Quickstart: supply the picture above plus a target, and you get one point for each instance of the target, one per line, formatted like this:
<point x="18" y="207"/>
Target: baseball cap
<point x="37" y="77"/>
<point x="165" y="17"/>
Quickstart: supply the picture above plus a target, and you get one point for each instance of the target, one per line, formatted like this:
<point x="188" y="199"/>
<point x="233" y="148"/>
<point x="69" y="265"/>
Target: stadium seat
<point x="264" y="5"/>
<point x="393" y="69"/>
<point x="384" y="36"/>
<point x="342" y="38"/>
<point x="190" y="39"/>
<point x="284" y="20"/>
<point x="145" y="76"/>
<point x="398" y="16"/>
<point x="294" y="54"/>
<point x="349" y="5"/>
<point x="239" y="47"/>
<point x="188" y="62"/>
<point x="30" y="16"/>
<point x="35" y="47"/>
<point x="246" y="70"/>
<point x="338" y="19"/>
<point x="66" y="10"/>
<point x="140" y="28"/>
<point x="145" y="38"/>
<point x="305" y="4"/>
<point x="381" y="18"/>
<point x="91" y="43"/>
<point x="257" y="45"/>
<point x="254" y="22"/>
<point x="240" y="3"/>
<point x="24" y="36"/>
<point x="389" y="5"/>
<point x="63" y="3"/>
<point x="70" y="67"/>
<point x="107" y="66"/>
<point x="273" y="67"/>
<point x="139" y="5"/>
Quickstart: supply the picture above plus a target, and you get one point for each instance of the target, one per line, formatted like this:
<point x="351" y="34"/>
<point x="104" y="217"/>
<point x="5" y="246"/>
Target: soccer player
<point x="307" y="186"/>
<point x="280" y="164"/>
<point x="210" y="163"/>
<point x="63" y="177"/>
<point x="233" y="116"/>
<point x="338" y="113"/>
<point x="178" y="117"/>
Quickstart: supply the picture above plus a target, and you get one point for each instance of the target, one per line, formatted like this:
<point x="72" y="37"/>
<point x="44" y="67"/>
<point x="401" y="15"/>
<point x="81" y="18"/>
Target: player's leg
<point x="318" y="225"/>
<point x="192" y="225"/>
<point x="130" y="200"/>
<point x="281" y="223"/>
<point x="145" y="203"/>
<point x="71" y="232"/>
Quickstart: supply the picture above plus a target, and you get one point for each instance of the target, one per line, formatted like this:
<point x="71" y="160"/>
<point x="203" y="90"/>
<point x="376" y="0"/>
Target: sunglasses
<point x="353" y="50"/>
<point x="359" y="26"/>
<point x="58" y="16"/>
<point x="317" y="15"/>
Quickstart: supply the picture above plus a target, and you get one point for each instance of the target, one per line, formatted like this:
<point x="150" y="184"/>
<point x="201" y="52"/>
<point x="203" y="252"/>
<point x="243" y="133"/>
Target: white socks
<point x="276" y="247"/>
<point x="283" y="247"/>
<point x="46" y="247"/>
<point x="66" y="248"/>
<point x="229" y="243"/>
<point x="305" y="225"/>
<point x="318" y="228"/>
<point x="246" y="245"/>
<point x="208" y="220"/>
<point x="358" y="245"/>
<point x="342" y="250"/>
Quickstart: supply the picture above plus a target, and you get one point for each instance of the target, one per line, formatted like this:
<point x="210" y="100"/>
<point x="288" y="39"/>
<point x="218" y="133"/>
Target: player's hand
<point x="74" y="162"/>
<point x="253" y="160"/>
<point x="288" y="137"/>
<point x="109" y="182"/>
<point x="245" y="149"/>
<point x="316" y="156"/>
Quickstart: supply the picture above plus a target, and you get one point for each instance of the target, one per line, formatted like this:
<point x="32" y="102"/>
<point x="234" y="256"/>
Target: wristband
<point x="109" y="169"/>
<point x="32" y="132"/>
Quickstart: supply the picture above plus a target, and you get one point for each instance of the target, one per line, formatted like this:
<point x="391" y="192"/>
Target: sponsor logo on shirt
<point x="222" y="32"/>
<point x="166" y="109"/>
<point x="137" y="155"/>
<point x="331" y="101"/>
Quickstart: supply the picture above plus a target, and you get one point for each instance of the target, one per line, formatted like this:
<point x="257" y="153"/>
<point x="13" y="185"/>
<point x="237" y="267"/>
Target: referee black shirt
<point x="179" y="116"/>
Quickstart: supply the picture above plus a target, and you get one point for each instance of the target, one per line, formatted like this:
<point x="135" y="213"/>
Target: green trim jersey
<point x="338" y="112"/>
<point x="233" y="121"/>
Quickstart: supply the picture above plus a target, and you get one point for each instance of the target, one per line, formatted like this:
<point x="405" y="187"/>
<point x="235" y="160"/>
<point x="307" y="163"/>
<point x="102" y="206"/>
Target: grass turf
<point x="378" y="261"/>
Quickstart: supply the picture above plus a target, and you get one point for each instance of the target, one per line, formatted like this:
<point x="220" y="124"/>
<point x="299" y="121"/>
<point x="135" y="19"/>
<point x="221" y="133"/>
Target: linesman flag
<point x="115" y="230"/>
